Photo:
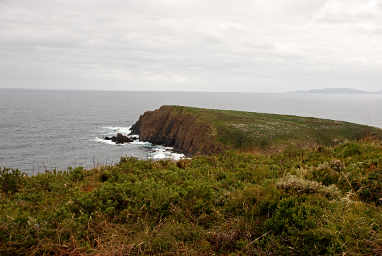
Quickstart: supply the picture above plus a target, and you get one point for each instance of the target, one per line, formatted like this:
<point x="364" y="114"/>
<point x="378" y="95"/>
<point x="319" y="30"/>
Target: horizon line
<point x="189" y="91"/>
<point x="121" y="90"/>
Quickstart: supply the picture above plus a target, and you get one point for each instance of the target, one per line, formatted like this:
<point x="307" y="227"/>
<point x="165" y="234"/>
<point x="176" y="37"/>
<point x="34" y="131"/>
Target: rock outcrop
<point x="119" y="139"/>
<point x="174" y="127"/>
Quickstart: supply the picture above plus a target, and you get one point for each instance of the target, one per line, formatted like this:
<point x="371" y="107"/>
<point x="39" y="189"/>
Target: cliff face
<point x="173" y="127"/>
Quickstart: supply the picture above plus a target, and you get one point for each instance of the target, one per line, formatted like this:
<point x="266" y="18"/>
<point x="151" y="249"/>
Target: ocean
<point x="44" y="130"/>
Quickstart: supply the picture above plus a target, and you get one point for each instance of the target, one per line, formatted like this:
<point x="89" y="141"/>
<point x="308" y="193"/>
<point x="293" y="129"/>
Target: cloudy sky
<point x="203" y="45"/>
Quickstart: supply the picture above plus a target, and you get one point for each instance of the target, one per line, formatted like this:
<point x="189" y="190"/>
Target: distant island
<point x="253" y="184"/>
<point x="337" y="91"/>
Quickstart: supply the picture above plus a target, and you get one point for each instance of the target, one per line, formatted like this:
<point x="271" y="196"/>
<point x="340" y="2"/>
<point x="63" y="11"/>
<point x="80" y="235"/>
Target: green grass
<point x="249" y="131"/>
<point x="299" y="202"/>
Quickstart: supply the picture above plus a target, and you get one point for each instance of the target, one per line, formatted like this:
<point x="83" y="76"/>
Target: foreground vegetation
<point x="325" y="201"/>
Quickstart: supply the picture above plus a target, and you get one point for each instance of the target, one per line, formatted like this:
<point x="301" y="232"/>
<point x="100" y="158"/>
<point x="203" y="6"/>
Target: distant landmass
<point x="338" y="91"/>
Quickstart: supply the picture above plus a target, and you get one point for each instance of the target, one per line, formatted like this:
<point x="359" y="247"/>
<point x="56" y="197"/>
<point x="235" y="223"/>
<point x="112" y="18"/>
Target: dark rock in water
<point x="119" y="139"/>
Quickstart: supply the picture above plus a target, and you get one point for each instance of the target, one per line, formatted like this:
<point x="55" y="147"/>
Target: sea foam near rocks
<point x="99" y="140"/>
<point x="161" y="152"/>
<point x="111" y="130"/>
<point x="155" y="152"/>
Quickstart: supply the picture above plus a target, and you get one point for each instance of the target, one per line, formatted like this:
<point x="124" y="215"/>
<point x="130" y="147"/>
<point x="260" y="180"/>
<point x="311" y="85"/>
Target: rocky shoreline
<point x="154" y="151"/>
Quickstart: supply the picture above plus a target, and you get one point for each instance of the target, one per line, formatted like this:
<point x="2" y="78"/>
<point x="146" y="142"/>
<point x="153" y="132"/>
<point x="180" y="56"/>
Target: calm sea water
<point x="55" y="129"/>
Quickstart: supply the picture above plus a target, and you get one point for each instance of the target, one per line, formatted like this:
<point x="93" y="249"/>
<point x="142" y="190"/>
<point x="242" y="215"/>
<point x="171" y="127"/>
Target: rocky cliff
<point x="175" y="127"/>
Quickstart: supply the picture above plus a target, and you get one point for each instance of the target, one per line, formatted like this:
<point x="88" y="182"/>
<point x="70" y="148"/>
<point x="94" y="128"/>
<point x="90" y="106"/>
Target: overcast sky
<point x="203" y="45"/>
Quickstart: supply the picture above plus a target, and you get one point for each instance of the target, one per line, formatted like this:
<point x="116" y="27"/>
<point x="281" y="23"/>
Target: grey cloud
<point x="251" y="45"/>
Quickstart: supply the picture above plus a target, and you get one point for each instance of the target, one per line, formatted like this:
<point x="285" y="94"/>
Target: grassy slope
<point x="249" y="130"/>
<point x="291" y="203"/>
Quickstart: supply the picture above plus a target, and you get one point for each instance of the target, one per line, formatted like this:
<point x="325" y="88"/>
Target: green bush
<point x="11" y="180"/>
<point x="325" y="173"/>
<point x="350" y="149"/>
<point x="77" y="174"/>
<point x="295" y="185"/>
<point x="297" y="221"/>
<point x="370" y="188"/>
<point x="299" y="202"/>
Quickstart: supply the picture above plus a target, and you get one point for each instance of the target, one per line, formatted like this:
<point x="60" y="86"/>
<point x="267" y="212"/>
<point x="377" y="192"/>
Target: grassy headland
<point x="325" y="200"/>
<point x="206" y="131"/>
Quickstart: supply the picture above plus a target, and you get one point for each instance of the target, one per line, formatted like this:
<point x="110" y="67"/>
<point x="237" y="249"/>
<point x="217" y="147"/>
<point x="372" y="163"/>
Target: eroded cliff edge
<point x="175" y="127"/>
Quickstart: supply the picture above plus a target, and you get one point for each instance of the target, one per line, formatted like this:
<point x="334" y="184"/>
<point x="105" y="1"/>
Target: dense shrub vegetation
<point x="313" y="202"/>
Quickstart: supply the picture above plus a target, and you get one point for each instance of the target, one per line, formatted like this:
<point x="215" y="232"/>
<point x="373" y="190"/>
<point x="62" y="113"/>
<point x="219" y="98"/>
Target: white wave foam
<point x="161" y="152"/>
<point x="118" y="129"/>
<point x="138" y="142"/>
<point x="177" y="156"/>
<point x="158" y="156"/>
<point x="99" y="140"/>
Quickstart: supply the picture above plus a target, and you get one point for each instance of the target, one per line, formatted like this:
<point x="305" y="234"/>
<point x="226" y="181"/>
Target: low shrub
<point x="11" y="180"/>
<point x="77" y="174"/>
<point x="349" y="150"/>
<point x="234" y="203"/>
<point x="325" y="173"/>
<point x="295" y="185"/>
<point x="369" y="188"/>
